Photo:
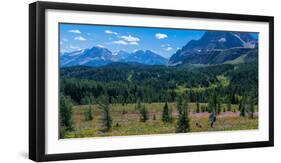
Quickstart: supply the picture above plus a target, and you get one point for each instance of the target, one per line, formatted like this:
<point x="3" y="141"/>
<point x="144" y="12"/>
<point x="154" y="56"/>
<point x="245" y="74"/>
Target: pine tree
<point x="229" y="104"/>
<point x="88" y="114"/>
<point x="215" y="99"/>
<point x="166" y="114"/>
<point x="183" y="121"/>
<point x="242" y="108"/>
<point x="203" y="107"/>
<point x="219" y="107"/>
<point x="154" y="117"/>
<point x="240" y="105"/>
<point x="251" y="108"/>
<point x="138" y="106"/>
<point x="197" y="107"/>
<point x="106" y="117"/>
<point x="143" y="114"/>
<point x="179" y="104"/>
<point x="212" y="103"/>
<point x="86" y="100"/>
<point x="66" y="114"/>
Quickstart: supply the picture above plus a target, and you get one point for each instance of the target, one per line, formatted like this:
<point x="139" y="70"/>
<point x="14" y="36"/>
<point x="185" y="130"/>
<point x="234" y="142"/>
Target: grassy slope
<point x="129" y="124"/>
<point x="238" y="60"/>
<point x="223" y="81"/>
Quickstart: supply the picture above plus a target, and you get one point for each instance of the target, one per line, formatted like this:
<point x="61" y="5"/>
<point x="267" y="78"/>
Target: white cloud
<point x="110" y="32"/>
<point x="130" y="38"/>
<point x="160" y="36"/>
<point x="122" y="42"/>
<point x="168" y="48"/>
<point x="100" y="46"/>
<point x="75" y="31"/>
<point x="133" y="43"/>
<point x="127" y="40"/>
<point x="74" y="47"/>
<point x="80" y="38"/>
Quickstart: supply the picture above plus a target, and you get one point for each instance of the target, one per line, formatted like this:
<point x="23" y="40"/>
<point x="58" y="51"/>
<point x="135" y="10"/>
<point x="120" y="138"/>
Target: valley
<point x="105" y="93"/>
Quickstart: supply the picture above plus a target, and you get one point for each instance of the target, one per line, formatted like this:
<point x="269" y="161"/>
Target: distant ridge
<point x="99" y="56"/>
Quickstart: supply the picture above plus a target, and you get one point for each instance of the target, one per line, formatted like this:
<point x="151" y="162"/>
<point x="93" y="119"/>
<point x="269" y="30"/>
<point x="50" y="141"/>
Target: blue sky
<point x="163" y="41"/>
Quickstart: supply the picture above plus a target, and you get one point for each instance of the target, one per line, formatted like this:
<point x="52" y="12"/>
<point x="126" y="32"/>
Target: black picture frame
<point x="37" y="80"/>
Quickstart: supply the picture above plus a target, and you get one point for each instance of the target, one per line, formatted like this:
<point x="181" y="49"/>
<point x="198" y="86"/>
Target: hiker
<point x="213" y="119"/>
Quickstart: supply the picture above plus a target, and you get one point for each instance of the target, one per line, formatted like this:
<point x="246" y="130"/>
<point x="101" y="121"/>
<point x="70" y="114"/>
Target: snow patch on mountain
<point x="222" y="39"/>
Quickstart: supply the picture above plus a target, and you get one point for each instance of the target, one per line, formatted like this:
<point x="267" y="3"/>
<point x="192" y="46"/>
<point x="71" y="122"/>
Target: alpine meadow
<point x="121" y="81"/>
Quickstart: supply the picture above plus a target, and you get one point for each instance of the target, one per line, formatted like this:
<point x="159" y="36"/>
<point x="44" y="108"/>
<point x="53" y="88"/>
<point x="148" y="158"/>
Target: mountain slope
<point x="96" y="56"/>
<point x="215" y="47"/>
<point x="122" y="55"/>
<point x="145" y="57"/>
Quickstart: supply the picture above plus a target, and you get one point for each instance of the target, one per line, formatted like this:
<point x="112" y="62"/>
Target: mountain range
<point x="214" y="47"/>
<point x="99" y="56"/>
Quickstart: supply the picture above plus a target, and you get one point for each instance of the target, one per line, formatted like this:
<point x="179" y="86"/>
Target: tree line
<point x="131" y="84"/>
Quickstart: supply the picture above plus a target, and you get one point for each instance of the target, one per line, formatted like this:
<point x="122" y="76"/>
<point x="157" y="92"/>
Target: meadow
<point x="117" y="91"/>
<point x="126" y="120"/>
